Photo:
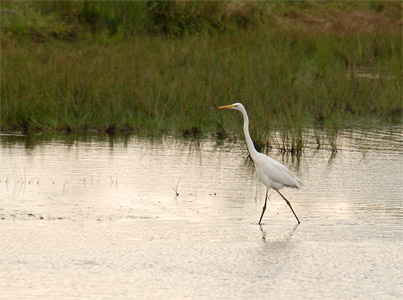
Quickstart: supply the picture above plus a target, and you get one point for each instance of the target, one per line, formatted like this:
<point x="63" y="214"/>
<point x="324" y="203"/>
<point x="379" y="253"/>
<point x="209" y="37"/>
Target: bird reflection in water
<point x="284" y="239"/>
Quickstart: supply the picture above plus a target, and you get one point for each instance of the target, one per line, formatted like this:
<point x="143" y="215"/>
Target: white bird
<point x="272" y="173"/>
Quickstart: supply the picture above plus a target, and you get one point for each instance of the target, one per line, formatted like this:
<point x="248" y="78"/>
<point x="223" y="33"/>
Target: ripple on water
<point x="101" y="218"/>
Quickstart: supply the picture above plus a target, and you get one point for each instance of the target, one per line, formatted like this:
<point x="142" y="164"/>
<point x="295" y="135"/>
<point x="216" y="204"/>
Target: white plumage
<point x="272" y="173"/>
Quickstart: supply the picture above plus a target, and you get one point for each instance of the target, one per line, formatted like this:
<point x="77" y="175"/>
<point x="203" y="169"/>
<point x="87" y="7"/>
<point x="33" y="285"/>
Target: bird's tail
<point x="298" y="182"/>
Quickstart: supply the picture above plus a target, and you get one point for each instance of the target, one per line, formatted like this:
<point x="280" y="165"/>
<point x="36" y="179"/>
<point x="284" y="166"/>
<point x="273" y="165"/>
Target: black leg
<point x="289" y="204"/>
<point x="264" y="207"/>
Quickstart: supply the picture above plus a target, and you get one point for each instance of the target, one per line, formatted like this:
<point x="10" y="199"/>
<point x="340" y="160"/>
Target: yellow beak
<point x="227" y="106"/>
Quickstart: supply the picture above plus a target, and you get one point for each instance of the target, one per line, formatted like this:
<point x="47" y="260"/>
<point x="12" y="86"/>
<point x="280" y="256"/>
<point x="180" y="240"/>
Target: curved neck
<point x="252" y="151"/>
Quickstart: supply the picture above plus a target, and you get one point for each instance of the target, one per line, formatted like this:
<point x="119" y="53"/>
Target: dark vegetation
<point x="164" y="67"/>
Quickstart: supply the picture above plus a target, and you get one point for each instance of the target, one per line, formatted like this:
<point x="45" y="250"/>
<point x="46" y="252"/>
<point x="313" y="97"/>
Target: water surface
<point x="97" y="217"/>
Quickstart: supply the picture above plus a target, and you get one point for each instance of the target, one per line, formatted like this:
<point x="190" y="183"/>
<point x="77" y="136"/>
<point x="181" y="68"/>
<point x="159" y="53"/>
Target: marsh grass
<point x="288" y="78"/>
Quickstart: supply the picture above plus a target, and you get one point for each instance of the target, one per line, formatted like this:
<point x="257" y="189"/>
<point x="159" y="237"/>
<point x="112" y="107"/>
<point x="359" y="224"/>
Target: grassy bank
<point x="288" y="70"/>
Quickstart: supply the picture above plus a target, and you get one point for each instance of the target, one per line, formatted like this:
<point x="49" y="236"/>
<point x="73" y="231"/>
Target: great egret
<point x="272" y="173"/>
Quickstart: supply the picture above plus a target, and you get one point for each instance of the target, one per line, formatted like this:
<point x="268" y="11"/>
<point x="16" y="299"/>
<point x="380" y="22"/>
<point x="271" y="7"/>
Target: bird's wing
<point x="273" y="173"/>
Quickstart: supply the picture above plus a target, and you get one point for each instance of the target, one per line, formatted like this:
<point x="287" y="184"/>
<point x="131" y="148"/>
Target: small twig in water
<point x="176" y="189"/>
<point x="364" y="153"/>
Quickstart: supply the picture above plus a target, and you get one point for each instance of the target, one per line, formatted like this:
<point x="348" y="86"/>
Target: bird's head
<point x="237" y="106"/>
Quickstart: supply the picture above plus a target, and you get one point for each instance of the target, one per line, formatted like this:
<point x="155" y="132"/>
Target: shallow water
<point x="99" y="218"/>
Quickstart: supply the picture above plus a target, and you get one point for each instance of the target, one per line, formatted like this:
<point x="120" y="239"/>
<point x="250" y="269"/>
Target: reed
<point x="288" y="78"/>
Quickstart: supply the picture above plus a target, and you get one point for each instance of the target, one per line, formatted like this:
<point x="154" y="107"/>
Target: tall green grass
<point x="289" y="78"/>
<point x="283" y="79"/>
<point x="71" y="20"/>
